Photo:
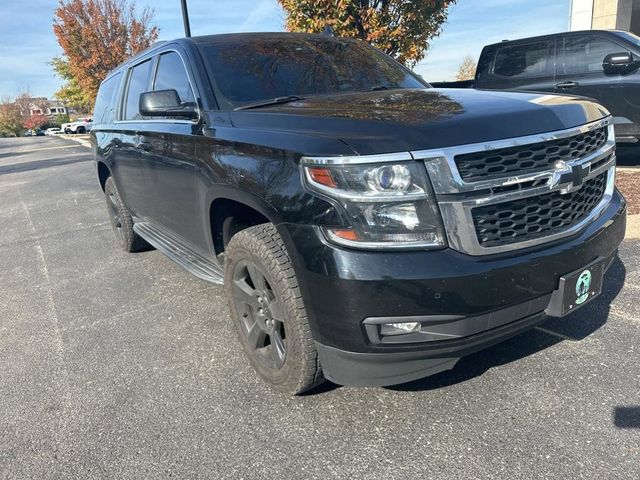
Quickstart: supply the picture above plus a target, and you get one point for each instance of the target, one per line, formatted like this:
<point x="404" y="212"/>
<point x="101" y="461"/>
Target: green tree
<point x="400" y="28"/>
<point x="10" y="118"/>
<point x="60" y="119"/>
<point x="71" y="94"/>
<point x="96" y="36"/>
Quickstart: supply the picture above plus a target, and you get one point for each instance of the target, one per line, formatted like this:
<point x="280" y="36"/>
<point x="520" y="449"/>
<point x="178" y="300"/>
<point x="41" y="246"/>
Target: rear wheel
<point x="80" y="130"/>
<point x="268" y="310"/>
<point x="121" y="220"/>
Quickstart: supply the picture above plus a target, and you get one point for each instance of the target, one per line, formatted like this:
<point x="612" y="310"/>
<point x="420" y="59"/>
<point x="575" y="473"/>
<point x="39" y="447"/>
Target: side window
<point x="528" y="60"/>
<point x="585" y="54"/>
<point x="105" y="108"/>
<point x="138" y="83"/>
<point x="171" y="74"/>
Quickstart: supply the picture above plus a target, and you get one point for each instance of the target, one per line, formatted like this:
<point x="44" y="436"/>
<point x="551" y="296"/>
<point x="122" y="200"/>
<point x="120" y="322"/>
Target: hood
<point x="401" y="120"/>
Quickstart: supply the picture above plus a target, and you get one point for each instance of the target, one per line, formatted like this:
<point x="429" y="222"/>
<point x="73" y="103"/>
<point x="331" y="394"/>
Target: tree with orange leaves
<point x="399" y="28"/>
<point x="35" y="121"/>
<point x="97" y="35"/>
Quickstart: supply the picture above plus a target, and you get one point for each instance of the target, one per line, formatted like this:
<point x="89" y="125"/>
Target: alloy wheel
<point x="261" y="314"/>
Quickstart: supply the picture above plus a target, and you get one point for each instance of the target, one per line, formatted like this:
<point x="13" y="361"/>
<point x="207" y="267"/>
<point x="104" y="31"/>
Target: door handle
<point x="116" y="142"/>
<point x="567" y="85"/>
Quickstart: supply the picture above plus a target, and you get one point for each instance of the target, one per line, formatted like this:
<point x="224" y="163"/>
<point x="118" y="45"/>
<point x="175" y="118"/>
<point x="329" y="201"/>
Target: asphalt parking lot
<point x="116" y="365"/>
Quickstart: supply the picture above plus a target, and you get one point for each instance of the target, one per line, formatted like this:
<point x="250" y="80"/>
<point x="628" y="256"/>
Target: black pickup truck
<point x="599" y="64"/>
<point x="367" y="228"/>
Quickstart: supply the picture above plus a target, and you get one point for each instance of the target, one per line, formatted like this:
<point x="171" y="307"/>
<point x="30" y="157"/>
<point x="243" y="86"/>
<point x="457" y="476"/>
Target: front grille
<point x="531" y="158"/>
<point x="534" y="217"/>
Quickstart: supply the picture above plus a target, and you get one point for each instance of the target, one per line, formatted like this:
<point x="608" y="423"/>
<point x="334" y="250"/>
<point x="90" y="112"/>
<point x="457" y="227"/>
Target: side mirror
<point x="165" y="103"/>
<point x="622" y="62"/>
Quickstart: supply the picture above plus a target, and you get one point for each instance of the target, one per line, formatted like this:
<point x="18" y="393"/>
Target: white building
<point x="50" y="108"/>
<point x="605" y="15"/>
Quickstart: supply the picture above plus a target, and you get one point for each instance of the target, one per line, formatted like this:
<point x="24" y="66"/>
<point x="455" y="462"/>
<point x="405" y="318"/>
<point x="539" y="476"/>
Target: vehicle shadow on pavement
<point x="626" y="417"/>
<point x="15" y="154"/>
<point x="574" y="327"/>
<point x="628" y="156"/>
<point x="41" y="164"/>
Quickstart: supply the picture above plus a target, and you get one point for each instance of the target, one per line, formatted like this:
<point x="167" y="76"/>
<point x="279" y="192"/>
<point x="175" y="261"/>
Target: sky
<point x="27" y="42"/>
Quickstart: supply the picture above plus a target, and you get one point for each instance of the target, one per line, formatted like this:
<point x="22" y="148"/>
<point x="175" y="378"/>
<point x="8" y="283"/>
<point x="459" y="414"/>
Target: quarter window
<point x="586" y="54"/>
<point x="171" y="75"/>
<point x="138" y="83"/>
<point x="528" y="60"/>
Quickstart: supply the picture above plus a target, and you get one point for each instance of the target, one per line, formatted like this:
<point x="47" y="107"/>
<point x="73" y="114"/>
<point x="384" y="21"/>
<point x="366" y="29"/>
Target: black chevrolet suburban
<point x="368" y="228"/>
<point x="599" y="64"/>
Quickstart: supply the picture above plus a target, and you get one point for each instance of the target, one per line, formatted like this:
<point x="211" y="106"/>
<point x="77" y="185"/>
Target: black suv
<point x="600" y="64"/>
<point x="368" y="228"/>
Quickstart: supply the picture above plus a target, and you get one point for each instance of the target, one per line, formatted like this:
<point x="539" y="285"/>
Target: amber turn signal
<point x="322" y="176"/>
<point x="345" y="234"/>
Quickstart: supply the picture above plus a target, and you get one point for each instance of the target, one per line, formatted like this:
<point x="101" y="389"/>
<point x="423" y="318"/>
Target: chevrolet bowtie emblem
<point x="570" y="177"/>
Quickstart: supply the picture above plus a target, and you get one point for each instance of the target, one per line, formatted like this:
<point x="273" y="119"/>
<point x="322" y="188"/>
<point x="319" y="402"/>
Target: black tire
<point x="80" y="130"/>
<point x="121" y="220"/>
<point x="268" y="311"/>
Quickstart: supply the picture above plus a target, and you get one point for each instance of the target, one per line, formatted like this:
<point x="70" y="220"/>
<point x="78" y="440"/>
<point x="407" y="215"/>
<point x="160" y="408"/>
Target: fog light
<point x="388" y="329"/>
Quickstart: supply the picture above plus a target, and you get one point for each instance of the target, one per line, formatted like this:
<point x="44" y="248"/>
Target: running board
<point x="184" y="256"/>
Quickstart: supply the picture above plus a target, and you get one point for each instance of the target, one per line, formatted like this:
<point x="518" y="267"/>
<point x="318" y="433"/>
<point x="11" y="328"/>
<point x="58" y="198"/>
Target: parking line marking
<point x="556" y="334"/>
<point x="26" y="152"/>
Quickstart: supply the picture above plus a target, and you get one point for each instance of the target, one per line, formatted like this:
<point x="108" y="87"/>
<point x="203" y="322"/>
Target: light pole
<point x="185" y="18"/>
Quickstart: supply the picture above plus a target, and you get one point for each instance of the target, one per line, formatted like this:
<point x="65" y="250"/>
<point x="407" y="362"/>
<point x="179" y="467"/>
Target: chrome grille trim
<point x="444" y="172"/>
<point x="457" y="198"/>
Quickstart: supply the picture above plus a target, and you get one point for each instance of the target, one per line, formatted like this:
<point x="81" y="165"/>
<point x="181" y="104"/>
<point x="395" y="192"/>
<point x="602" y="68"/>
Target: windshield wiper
<point x="271" y="101"/>
<point x="377" y="88"/>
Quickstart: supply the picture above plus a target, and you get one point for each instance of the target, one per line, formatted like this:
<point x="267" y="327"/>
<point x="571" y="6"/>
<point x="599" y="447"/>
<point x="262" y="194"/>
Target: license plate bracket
<point x="577" y="289"/>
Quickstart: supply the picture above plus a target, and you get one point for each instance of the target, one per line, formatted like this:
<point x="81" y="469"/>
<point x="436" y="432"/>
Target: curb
<point x="633" y="227"/>
<point x="82" y="141"/>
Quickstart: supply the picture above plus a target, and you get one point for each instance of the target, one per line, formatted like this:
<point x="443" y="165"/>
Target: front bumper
<point x="490" y="298"/>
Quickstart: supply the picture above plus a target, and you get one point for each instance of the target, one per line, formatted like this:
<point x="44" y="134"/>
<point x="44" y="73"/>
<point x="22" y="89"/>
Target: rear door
<point x="127" y="165"/>
<point x="521" y="66"/>
<point x="580" y="72"/>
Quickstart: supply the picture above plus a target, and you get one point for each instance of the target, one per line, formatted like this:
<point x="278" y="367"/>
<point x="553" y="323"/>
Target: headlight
<point x="390" y="204"/>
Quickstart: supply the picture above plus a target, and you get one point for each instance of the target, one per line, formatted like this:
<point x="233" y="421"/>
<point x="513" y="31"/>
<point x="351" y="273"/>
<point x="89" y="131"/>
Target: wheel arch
<point x="103" y="173"/>
<point x="231" y="211"/>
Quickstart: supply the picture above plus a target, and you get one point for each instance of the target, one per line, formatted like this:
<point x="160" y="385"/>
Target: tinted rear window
<point x="528" y="60"/>
<point x="105" y="108"/>
<point x="251" y="69"/>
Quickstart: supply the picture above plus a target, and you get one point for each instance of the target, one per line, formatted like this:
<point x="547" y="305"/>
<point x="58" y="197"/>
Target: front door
<point x="580" y="72"/>
<point x="167" y="149"/>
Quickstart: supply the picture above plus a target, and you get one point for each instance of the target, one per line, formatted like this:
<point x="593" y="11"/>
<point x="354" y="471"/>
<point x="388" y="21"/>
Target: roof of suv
<point x="555" y="35"/>
<point x="226" y="37"/>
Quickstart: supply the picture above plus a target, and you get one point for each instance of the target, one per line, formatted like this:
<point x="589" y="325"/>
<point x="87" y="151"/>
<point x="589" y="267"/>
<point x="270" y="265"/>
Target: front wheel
<point x="268" y="310"/>
<point x="80" y="130"/>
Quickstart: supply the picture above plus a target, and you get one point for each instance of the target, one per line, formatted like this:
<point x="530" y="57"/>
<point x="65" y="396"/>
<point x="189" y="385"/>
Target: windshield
<point x="255" y="68"/>
<point x="630" y="37"/>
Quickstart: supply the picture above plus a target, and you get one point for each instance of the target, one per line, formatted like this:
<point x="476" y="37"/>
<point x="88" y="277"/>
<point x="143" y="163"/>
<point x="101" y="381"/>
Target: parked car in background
<point x="52" y="131"/>
<point x="368" y="229"/>
<point x="600" y="64"/>
<point x="34" y="133"/>
<point x="82" y="125"/>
